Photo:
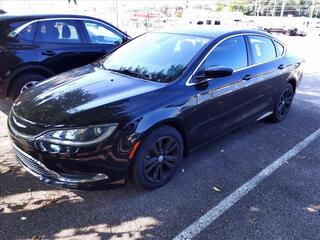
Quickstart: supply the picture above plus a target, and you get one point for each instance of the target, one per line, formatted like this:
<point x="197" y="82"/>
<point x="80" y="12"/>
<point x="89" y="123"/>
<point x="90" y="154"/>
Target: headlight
<point x="79" y="136"/>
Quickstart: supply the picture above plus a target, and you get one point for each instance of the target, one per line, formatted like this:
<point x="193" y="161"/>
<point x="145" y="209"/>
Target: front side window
<point x="262" y="48"/>
<point x="58" y="31"/>
<point x="100" y="34"/>
<point x="230" y="53"/>
<point x="160" y="57"/>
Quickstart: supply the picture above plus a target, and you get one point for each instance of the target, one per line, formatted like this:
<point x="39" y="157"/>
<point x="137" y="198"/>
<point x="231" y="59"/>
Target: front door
<point x="227" y="102"/>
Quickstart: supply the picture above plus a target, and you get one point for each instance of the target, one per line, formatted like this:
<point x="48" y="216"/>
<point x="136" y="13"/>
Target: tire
<point x="149" y="166"/>
<point x="283" y="104"/>
<point x="22" y="81"/>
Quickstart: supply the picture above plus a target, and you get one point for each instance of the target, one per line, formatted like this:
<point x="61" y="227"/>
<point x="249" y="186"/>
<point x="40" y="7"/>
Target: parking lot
<point x="284" y="204"/>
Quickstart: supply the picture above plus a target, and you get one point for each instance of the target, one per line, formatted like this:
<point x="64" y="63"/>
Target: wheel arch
<point x="176" y="124"/>
<point x="293" y="82"/>
<point x="31" y="68"/>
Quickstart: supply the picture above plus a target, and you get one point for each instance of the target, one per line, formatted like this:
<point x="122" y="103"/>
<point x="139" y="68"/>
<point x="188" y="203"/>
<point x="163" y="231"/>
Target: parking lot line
<point x="206" y="219"/>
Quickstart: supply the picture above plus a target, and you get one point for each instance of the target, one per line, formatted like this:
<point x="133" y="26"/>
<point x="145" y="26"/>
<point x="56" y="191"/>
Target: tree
<point x="75" y="1"/>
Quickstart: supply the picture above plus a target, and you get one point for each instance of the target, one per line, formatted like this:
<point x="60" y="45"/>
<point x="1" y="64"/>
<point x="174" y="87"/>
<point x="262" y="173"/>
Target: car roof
<point x="8" y="17"/>
<point x="41" y="16"/>
<point x="212" y="31"/>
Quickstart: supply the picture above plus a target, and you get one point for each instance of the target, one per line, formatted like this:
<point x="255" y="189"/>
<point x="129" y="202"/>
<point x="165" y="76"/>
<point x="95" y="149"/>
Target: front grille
<point x="25" y="127"/>
<point x="33" y="165"/>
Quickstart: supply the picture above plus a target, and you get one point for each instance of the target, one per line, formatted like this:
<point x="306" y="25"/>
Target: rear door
<point x="270" y="65"/>
<point x="59" y="45"/>
<point x="101" y="38"/>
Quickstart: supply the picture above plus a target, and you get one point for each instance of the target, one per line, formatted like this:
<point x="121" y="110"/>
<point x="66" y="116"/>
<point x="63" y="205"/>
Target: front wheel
<point x="283" y="104"/>
<point x="157" y="158"/>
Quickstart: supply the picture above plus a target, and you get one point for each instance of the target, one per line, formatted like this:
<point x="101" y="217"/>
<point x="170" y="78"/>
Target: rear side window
<point x="17" y="30"/>
<point x="262" y="49"/>
<point x="279" y="48"/>
<point x="27" y="33"/>
<point x="230" y="53"/>
<point x="58" y="31"/>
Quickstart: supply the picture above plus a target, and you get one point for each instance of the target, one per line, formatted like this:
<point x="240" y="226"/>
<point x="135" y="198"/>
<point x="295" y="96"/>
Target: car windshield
<point x="160" y="57"/>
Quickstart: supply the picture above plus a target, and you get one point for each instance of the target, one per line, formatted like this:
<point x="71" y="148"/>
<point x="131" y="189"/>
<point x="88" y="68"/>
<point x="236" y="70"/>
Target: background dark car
<point x="2" y="12"/>
<point x="33" y="48"/>
<point x="282" y="30"/>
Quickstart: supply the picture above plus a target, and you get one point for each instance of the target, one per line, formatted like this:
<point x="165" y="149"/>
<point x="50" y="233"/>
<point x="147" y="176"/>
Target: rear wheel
<point x="157" y="158"/>
<point x="24" y="82"/>
<point x="283" y="104"/>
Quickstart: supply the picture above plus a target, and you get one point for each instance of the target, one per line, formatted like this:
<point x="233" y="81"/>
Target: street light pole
<point x="274" y="8"/>
<point x="282" y="8"/>
<point x="312" y="8"/>
<point x="117" y="14"/>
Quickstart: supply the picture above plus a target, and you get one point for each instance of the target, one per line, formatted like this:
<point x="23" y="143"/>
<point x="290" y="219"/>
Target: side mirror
<point x="218" y="72"/>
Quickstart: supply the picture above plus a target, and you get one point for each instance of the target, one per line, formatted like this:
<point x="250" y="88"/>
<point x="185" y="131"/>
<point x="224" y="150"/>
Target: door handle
<point x="281" y="66"/>
<point x="49" y="53"/>
<point x="247" y="77"/>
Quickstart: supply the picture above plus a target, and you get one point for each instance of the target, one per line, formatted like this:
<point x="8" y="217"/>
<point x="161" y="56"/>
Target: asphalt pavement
<point x="285" y="205"/>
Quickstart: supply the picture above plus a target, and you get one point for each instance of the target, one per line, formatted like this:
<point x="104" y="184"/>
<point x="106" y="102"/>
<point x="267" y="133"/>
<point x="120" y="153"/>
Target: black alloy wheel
<point x="157" y="158"/>
<point x="283" y="104"/>
<point x="161" y="160"/>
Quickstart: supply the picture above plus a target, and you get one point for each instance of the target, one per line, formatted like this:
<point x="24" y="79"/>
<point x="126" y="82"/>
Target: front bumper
<point x="50" y="177"/>
<point x="102" y="165"/>
<point x="40" y="171"/>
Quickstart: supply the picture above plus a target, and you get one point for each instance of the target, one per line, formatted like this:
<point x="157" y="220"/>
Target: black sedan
<point x="36" y="47"/>
<point x="139" y="110"/>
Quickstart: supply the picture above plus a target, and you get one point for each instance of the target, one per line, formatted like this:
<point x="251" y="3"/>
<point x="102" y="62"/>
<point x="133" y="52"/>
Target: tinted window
<point x="279" y="48"/>
<point x="58" y="31"/>
<point x="27" y="33"/>
<point x="160" y="57"/>
<point x="100" y="34"/>
<point x="230" y="53"/>
<point x="262" y="48"/>
<point x="13" y="31"/>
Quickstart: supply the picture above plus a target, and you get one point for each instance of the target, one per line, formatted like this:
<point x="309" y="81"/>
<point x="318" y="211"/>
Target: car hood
<point x="87" y="95"/>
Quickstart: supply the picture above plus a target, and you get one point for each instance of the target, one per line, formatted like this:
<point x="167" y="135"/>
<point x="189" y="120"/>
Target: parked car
<point x="33" y="48"/>
<point x="296" y="32"/>
<point x="282" y="30"/>
<point x="140" y="109"/>
<point x="2" y="12"/>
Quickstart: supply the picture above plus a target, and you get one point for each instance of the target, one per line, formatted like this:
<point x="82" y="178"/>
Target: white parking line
<point x="206" y="219"/>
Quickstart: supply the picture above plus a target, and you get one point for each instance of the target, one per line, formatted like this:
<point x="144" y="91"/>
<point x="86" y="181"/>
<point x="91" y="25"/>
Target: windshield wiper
<point x="130" y="73"/>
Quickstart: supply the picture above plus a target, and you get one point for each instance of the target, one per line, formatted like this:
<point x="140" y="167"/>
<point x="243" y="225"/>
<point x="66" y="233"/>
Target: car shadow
<point x="30" y="209"/>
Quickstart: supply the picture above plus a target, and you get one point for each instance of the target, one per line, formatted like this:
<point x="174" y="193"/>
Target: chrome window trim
<point x="189" y="83"/>
<point x="16" y="31"/>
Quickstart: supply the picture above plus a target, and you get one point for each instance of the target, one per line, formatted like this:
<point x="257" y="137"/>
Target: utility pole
<point x="312" y="8"/>
<point x="117" y="14"/>
<point x="274" y="8"/>
<point x="283" y="7"/>
<point x="258" y="8"/>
